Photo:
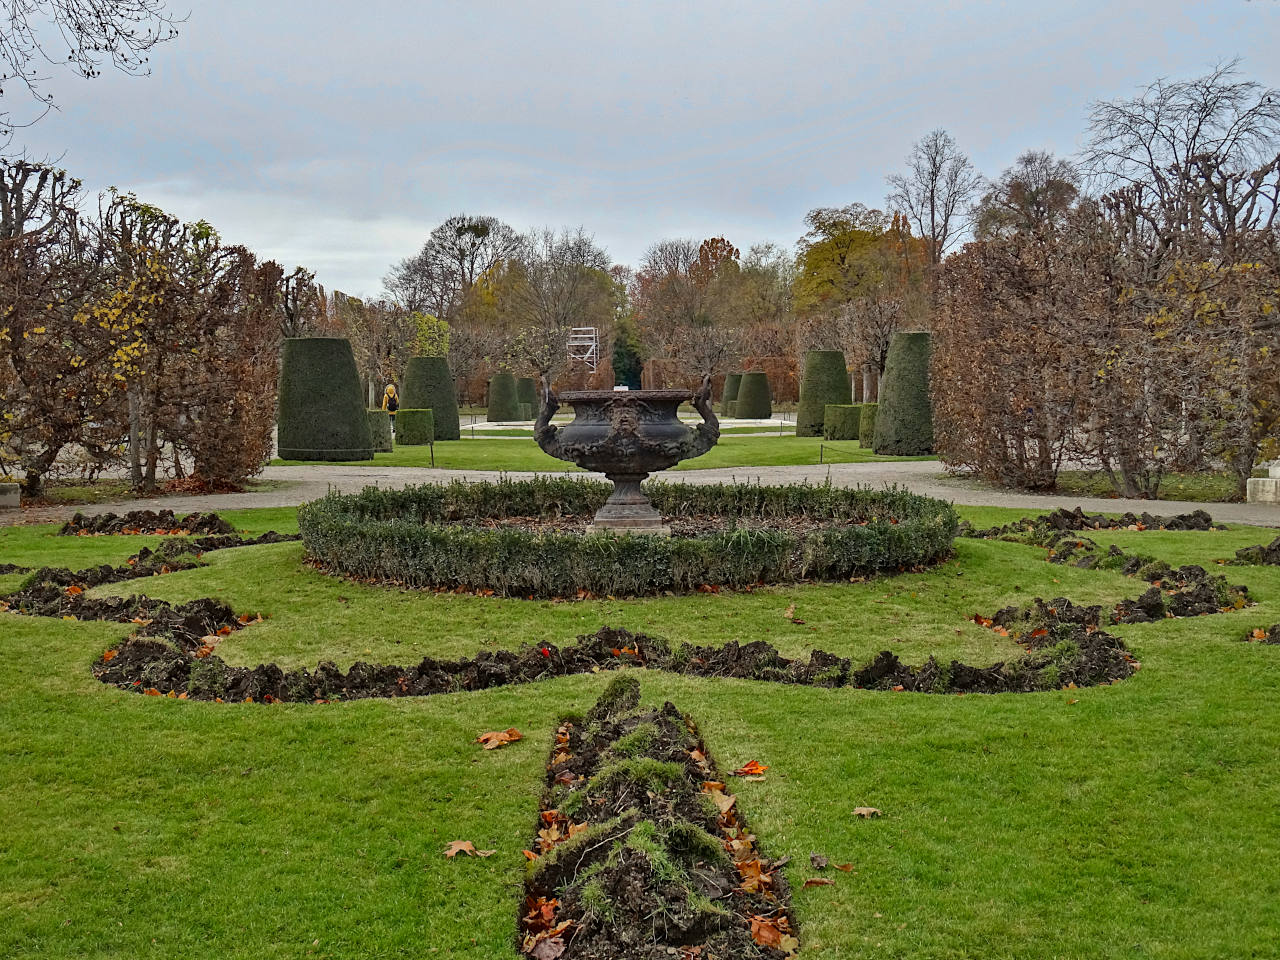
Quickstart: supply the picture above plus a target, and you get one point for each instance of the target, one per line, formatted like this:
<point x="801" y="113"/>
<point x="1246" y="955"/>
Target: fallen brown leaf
<point x="499" y="738"/>
<point x="866" y="812"/>
<point x="819" y="882"/>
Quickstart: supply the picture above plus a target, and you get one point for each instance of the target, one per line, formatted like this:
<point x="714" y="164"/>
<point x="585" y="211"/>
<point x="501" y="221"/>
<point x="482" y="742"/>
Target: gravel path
<point x="300" y="484"/>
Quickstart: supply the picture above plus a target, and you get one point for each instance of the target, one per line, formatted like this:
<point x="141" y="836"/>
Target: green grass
<point x="732" y="451"/>
<point x="1130" y="821"/>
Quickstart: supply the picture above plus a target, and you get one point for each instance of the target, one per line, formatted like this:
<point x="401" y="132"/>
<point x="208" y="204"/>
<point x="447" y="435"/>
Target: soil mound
<point x="144" y="521"/>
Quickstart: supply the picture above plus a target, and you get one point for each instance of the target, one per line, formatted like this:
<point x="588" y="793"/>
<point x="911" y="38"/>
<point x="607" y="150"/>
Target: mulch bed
<point x="162" y="522"/>
<point x="1063" y="520"/>
<point x="640" y="850"/>
<point x="1260" y="554"/>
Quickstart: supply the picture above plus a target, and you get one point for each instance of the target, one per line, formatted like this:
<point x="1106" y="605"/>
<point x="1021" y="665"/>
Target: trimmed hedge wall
<point x="415" y="427"/>
<point x="380" y="427"/>
<point x="752" y="402"/>
<point x="428" y="385"/>
<point x="842" y="421"/>
<point x="732" y="382"/>
<point x="867" y="424"/>
<point x="321" y="412"/>
<point x="413" y="536"/>
<point x="825" y="381"/>
<point x="503" y="405"/>
<point x="904" y="424"/>
<point x="526" y="411"/>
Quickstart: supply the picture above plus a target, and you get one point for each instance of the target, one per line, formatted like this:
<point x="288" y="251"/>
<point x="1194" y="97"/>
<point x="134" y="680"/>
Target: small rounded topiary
<point x="503" y="404"/>
<point x="380" y="427"/>
<point x="825" y="381"/>
<point x="867" y="424"/>
<point x="841" y="421"/>
<point x="753" y="401"/>
<point x="904" y="423"/>
<point x="428" y="385"/>
<point x="415" y="427"/>
<point x="527" y="392"/>
<point x="321" y="412"/>
<point x="731" y="384"/>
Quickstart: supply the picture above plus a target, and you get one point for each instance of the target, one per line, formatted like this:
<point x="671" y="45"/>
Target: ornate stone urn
<point x="627" y="435"/>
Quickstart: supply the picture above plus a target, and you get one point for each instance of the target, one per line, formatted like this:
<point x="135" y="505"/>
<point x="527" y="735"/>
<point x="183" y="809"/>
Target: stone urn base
<point x="628" y="510"/>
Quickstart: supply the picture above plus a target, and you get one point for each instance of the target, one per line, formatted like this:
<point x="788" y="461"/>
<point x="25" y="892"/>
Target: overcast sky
<point x="336" y="135"/>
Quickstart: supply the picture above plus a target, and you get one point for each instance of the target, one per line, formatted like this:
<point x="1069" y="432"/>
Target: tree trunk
<point x="135" y="438"/>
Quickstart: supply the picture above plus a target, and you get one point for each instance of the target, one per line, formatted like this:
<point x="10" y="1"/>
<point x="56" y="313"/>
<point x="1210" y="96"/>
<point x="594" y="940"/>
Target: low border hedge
<point x="841" y="421"/>
<point x="420" y="537"/>
<point x="415" y="427"/>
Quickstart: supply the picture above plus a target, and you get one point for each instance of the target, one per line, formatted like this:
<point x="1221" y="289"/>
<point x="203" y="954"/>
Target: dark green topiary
<point x="527" y="392"/>
<point x="842" y="421"/>
<point x="825" y="381"/>
<point x="380" y="427"/>
<point x="503" y="404"/>
<point x="322" y="414"/>
<point x="731" y="408"/>
<point x="415" y="427"/>
<point x="904" y="423"/>
<point x="526" y="411"/>
<point x="867" y="424"/>
<point x="428" y="385"/>
<point x="731" y="384"/>
<point x="753" y="401"/>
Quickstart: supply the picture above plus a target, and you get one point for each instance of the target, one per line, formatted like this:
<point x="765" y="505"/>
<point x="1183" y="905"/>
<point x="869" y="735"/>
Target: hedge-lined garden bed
<point x="447" y="537"/>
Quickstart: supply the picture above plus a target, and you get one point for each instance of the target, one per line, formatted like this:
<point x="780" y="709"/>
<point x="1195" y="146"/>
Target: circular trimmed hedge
<point x="444" y="537"/>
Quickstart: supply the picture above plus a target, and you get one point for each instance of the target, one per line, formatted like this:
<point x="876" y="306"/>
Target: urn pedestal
<point x="627" y="435"/>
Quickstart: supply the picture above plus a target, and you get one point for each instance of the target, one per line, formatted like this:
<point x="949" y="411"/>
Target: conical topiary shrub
<point x="380" y="427"/>
<point x="504" y="407"/>
<point x="753" y="401"/>
<point x="321" y="414"/>
<point x="731" y="384"/>
<point x="527" y="392"/>
<point x="825" y="381"/>
<point x="428" y="385"/>
<point x="867" y="425"/>
<point x="904" y="422"/>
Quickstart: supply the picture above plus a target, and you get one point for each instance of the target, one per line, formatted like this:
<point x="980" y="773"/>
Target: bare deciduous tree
<point x="936" y="192"/>
<point x="82" y="34"/>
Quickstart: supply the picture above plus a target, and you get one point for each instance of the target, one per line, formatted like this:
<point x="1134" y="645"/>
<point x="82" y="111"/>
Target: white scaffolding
<point x="584" y="346"/>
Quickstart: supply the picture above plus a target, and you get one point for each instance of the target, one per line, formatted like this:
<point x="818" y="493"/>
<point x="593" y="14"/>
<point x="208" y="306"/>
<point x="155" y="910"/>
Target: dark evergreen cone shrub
<point x="867" y="424"/>
<point x="321" y="412"/>
<point x="504" y="407"/>
<point x="753" y="400"/>
<point x="904" y="423"/>
<point x="428" y="385"/>
<point x="825" y="381"/>
<point x="732" y="382"/>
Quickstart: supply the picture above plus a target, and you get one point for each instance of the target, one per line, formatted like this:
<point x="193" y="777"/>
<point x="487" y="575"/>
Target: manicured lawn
<point x="731" y="451"/>
<point x="1138" y="820"/>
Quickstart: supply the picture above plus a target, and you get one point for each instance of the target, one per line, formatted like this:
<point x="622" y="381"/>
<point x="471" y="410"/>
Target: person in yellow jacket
<point x="391" y="403"/>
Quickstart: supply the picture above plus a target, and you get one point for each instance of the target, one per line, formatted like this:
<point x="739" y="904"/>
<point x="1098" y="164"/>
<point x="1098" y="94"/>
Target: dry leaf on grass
<point x="818" y="882"/>
<point x="866" y="812"/>
<point x="499" y="738"/>
<point x="465" y="846"/>
<point x="752" y="768"/>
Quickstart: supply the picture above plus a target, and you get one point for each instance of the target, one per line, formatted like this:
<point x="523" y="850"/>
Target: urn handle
<point x="706" y="434"/>
<point x="543" y="432"/>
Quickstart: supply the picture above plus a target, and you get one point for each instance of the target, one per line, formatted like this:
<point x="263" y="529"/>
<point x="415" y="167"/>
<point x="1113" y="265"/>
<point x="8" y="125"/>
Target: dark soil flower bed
<point x="527" y="538"/>
<point x="144" y="521"/>
<point x="640" y="849"/>
<point x="1064" y="652"/>
<point x="1063" y="520"/>
<point x="1260" y="554"/>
